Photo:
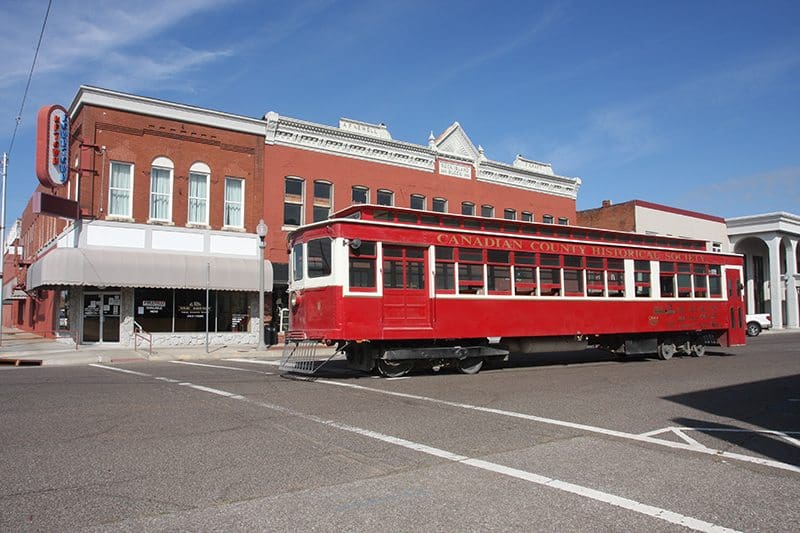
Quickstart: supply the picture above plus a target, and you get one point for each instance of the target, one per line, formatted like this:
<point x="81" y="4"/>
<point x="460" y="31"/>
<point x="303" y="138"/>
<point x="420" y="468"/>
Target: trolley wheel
<point x="396" y="368"/>
<point x="470" y="365"/>
<point x="666" y="350"/>
<point x="698" y="350"/>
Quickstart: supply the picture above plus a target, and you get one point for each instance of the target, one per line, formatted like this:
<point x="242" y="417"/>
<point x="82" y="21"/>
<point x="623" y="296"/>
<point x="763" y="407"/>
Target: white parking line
<point x="223" y="367"/>
<point x="254" y="361"/>
<point x="581" y="427"/>
<point x="123" y="370"/>
<point x="586" y="492"/>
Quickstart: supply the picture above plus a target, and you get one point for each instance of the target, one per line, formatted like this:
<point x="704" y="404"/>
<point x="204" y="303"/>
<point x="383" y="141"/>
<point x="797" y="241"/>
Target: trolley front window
<point x="362" y="266"/>
<point x="319" y="258"/>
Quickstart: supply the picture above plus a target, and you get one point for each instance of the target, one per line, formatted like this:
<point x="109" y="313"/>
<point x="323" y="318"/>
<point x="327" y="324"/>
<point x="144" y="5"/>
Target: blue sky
<point x="692" y="104"/>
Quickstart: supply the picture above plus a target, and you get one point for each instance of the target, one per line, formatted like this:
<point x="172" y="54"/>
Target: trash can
<point x="270" y="335"/>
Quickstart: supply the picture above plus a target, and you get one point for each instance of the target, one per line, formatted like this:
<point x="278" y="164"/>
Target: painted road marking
<point x="581" y="427"/>
<point x="223" y="367"/>
<point x="254" y="361"/>
<point x="123" y="370"/>
<point x="586" y="492"/>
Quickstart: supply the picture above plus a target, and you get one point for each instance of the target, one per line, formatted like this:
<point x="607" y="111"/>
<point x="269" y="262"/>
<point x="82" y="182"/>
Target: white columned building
<point x="769" y="244"/>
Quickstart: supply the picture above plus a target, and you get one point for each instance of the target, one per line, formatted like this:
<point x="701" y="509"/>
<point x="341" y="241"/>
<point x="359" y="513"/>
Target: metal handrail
<point x="144" y="335"/>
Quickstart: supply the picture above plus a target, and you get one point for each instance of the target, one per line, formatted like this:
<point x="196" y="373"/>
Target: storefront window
<point x="153" y="309"/>
<point x="180" y="310"/>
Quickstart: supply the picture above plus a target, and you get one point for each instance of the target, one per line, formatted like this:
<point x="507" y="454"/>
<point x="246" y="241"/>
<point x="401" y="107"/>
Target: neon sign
<point x="52" y="146"/>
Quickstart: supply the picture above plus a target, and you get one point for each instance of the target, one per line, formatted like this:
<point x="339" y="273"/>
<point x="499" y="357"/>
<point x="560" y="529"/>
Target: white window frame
<point x="162" y="163"/>
<point x="129" y="214"/>
<point x="360" y="188"/>
<point x="321" y="202"/>
<point x="489" y="208"/>
<point x="227" y="202"/>
<point x="199" y="169"/>
<point x="468" y="204"/>
<point x="420" y="197"/>
<point x="385" y="191"/>
<point x="301" y="202"/>
<point x="443" y="200"/>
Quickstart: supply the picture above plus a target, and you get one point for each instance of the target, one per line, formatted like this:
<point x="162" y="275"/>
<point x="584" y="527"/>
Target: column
<point x="775" y="284"/>
<point x="792" y="319"/>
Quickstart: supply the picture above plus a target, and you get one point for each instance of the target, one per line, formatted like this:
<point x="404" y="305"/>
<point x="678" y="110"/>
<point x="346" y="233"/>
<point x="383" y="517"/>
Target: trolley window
<point x="524" y="273"/>
<point x="297" y="268"/>
<point x="700" y="280"/>
<point x="362" y="266"/>
<point x="667" y="279"/>
<point x="616" y="278"/>
<point x="499" y="271"/>
<point x="642" y="278"/>
<point x="550" y="274"/>
<point x="595" y="276"/>
<point x="319" y="257"/>
<point x="684" y="280"/>
<point x="715" y="281"/>
<point x="573" y="275"/>
<point x="445" y="270"/>
<point x="470" y="271"/>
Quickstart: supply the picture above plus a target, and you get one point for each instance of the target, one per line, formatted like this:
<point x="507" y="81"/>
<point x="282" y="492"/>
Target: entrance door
<point x="736" y="331"/>
<point x="101" y="317"/>
<point x="406" y="302"/>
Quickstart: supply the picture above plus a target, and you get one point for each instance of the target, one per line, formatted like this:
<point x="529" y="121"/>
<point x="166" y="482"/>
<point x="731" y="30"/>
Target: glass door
<point x="101" y="314"/>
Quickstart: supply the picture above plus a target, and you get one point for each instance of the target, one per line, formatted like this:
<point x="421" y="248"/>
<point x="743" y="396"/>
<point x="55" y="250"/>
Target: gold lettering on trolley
<point x="555" y="247"/>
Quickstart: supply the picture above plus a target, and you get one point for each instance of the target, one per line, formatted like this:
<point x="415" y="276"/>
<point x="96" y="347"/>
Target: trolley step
<point x="305" y="357"/>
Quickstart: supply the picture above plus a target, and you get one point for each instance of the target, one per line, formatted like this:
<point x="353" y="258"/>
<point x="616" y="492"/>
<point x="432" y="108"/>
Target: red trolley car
<point x="394" y="287"/>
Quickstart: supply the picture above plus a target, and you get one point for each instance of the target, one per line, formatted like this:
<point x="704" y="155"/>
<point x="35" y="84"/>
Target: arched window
<point x="161" y="172"/>
<point x="199" y="178"/>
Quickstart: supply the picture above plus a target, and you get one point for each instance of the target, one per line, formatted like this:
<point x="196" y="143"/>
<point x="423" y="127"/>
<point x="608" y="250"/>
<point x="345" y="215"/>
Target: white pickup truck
<point x="757" y="322"/>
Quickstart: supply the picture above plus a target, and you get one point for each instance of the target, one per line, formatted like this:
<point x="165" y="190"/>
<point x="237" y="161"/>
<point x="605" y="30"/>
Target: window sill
<point x="288" y="228"/>
<point x="119" y="218"/>
<point x="196" y="225"/>
<point x="160" y="222"/>
<point x="236" y="229"/>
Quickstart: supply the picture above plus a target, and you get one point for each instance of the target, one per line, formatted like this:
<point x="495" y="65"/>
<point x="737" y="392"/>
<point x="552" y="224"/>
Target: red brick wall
<point x="621" y="217"/>
<point x="139" y="139"/>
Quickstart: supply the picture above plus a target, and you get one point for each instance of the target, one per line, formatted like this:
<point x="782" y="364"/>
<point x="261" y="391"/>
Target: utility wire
<point x="30" y="76"/>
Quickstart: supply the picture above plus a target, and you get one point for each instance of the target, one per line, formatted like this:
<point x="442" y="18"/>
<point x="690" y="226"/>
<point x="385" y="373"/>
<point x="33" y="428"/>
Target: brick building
<point x="170" y="196"/>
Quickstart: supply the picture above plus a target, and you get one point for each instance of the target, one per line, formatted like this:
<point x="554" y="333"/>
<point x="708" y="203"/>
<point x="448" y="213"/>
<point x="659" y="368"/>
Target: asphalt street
<point x="576" y="441"/>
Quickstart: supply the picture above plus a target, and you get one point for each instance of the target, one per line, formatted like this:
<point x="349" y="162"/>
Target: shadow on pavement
<point x="772" y="404"/>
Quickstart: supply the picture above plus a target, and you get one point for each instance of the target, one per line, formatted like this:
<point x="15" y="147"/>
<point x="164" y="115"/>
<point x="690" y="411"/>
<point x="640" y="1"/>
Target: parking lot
<point x="553" y="442"/>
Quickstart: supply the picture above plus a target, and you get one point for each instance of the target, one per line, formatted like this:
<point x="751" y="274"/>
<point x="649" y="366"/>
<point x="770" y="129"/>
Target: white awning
<point x="110" y="267"/>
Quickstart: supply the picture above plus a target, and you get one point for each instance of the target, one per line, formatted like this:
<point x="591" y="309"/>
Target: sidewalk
<point x="20" y="348"/>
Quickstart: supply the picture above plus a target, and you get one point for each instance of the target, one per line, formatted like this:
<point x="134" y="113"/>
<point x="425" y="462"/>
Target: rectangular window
<point x="667" y="279"/>
<point x="641" y="273"/>
<point x="362" y="266"/>
<point x="198" y="198"/>
<point x="616" y="277"/>
<point x="487" y="211"/>
<point x="563" y="221"/>
<point x="322" y="200"/>
<point x="510" y="214"/>
<point x="417" y="201"/>
<point x="547" y="219"/>
<point x="292" y="201"/>
<point x="160" y="194"/>
<point x="550" y="274"/>
<point x="595" y="276"/>
<point x="524" y="273"/>
<point x="440" y="205"/>
<point x="120" y="189"/>
<point x="190" y="311"/>
<point x="467" y="208"/>
<point x="297" y="266"/>
<point x="470" y="271"/>
<point x="318" y="255"/>
<point x="527" y="216"/>
<point x="498" y="271"/>
<point x="445" y="270"/>
<point x="715" y="281"/>
<point x="360" y="195"/>
<point x="573" y="275"/>
<point x="700" y="281"/>
<point x="234" y="202"/>
<point x="684" y="280"/>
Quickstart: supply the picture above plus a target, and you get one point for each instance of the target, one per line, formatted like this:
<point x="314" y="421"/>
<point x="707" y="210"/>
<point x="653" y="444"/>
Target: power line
<point x="30" y="76"/>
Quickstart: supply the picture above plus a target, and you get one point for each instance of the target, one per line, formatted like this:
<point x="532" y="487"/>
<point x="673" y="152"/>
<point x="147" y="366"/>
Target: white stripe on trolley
<point x="586" y="492"/>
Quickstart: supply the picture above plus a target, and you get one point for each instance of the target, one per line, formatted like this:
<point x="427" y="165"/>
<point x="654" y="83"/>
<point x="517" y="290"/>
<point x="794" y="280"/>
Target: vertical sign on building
<point x="52" y="146"/>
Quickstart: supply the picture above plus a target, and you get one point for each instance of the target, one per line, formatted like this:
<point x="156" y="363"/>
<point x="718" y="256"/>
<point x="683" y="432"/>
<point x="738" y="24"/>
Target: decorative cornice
<point x="502" y="174"/>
